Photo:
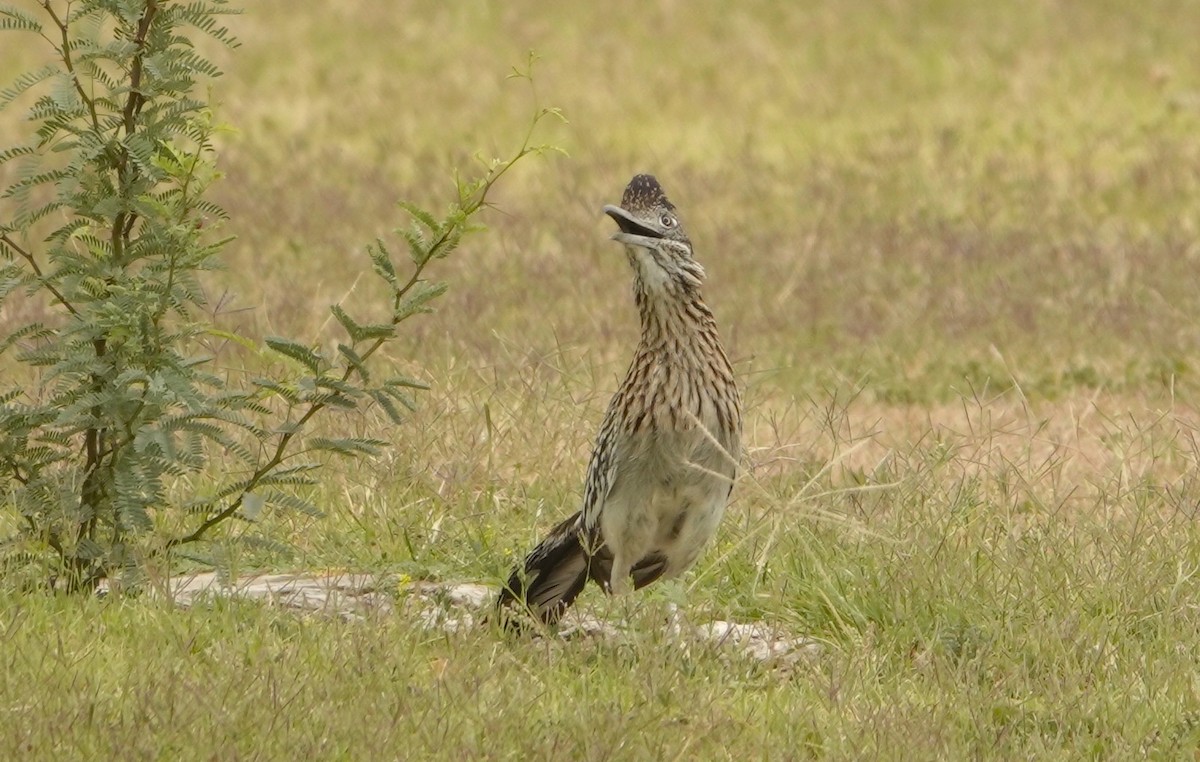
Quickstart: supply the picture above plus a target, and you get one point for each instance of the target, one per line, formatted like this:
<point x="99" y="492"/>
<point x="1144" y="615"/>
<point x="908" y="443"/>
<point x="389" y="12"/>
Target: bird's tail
<point x="552" y="575"/>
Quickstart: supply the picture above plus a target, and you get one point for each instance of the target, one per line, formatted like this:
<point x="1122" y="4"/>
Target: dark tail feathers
<point x="552" y="576"/>
<point x="555" y="572"/>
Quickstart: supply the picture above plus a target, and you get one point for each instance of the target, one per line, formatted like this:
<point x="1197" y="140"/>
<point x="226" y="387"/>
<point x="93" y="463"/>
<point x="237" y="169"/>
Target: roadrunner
<point x="666" y="456"/>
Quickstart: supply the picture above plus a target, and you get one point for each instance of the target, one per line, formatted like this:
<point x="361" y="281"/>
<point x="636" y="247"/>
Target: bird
<point x="664" y="462"/>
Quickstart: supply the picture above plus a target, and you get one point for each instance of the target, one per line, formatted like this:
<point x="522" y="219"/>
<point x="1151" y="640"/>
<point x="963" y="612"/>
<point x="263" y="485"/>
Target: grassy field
<point x="953" y="251"/>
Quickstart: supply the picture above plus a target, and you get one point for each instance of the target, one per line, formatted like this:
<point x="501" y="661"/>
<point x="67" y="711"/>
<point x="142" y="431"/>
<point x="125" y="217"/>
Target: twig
<point x="28" y="257"/>
<point x="66" y="57"/>
<point x="473" y="204"/>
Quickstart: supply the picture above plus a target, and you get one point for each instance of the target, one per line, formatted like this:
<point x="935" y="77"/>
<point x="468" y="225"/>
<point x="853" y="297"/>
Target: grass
<point x="952" y="248"/>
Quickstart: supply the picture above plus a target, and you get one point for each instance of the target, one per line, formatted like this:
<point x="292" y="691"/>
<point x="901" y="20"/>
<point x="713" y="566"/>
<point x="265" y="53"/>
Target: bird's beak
<point x="632" y="231"/>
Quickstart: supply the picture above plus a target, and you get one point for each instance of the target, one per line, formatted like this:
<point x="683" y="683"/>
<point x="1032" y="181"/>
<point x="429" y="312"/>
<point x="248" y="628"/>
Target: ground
<point x="952" y="250"/>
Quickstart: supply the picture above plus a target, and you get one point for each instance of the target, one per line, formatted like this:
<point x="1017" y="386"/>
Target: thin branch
<point x="66" y="57"/>
<point x="316" y="407"/>
<point x="262" y="471"/>
<point x="466" y="208"/>
<point x="28" y="257"/>
<point x="469" y="209"/>
<point x="133" y="104"/>
<point x="124" y="220"/>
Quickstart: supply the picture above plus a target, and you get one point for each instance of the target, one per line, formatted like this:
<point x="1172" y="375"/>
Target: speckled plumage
<point x="665" y="458"/>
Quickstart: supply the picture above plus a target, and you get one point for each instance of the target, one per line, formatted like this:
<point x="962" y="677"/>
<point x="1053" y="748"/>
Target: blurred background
<point x="903" y="195"/>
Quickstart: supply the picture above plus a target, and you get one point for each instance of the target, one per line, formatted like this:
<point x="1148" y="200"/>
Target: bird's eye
<point x="667" y="221"/>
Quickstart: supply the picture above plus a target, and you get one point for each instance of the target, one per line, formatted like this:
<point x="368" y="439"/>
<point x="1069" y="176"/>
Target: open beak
<point x="631" y="228"/>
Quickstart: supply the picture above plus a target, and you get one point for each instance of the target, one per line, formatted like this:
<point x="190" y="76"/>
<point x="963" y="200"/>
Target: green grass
<point x="952" y="248"/>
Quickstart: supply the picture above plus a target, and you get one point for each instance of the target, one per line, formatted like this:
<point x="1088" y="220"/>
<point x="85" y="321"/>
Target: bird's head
<point x="658" y="249"/>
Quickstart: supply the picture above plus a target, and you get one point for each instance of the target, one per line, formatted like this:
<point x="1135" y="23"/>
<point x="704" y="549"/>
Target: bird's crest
<point x="644" y="193"/>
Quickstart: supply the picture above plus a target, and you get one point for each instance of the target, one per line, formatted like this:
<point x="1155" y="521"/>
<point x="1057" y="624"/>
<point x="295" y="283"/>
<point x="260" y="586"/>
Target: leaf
<point x="337" y="385"/>
<point x="410" y="383"/>
<point x="20" y="189"/>
<point x="24" y="82"/>
<point x="418" y="247"/>
<point x="283" y="390"/>
<point x="352" y="327"/>
<point x="293" y="475"/>
<point x="12" y="277"/>
<point x="294" y="503"/>
<point x="403" y="397"/>
<point x="331" y="399"/>
<point x="381" y="262"/>
<point x="362" y="332"/>
<point x="421" y="293"/>
<point x="355" y="362"/>
<point x="88" y="549"/>
<point x="295" y="351"/>
<point x="31" y="331"/>
<point x="140" y="150"/>
<point x="205" y="503"/>
<point x="211" y="431"/>
<point x="387" y="404"/>
<point x="12" y="19"/>
<point x="448" y="245"/>
<point x="422" y="216"/>
<point x="349" y="447"/>
<point x="15" y="151"/>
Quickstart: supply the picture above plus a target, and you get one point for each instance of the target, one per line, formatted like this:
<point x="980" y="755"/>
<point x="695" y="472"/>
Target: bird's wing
<point x="602" y="468"/>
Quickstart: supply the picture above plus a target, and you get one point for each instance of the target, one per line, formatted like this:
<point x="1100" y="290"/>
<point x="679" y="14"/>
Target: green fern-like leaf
<point x="417" y="299"/>
<point x="349" y="447"/>
<point x="355" y="362"/>
<point x="422" y="216"/>
<point x="381" y="262"/>
<point x="296" y="476"/>
<point x="338" y="385"/>
<point x="418" y="248"/>
<point x="404" y="381"/>
<point x="19" y="150"/>
<point x="384" y="400"/>
<point x="398" y="393"/>
<point x="28" y="332"/>
<point x="286" y="391"/>
<point x="330" y="399"/>
<point x="293" y="503"/>
<point x="24" y="82"/>
<point x="15" y="19"/>
<point x="295" y="351"/>
<point x="20" y="189"/>
<point x="352" y="327"/>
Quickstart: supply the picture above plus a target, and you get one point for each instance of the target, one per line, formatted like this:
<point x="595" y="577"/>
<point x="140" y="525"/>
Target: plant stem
<point x="33" y="265"/>
<point x="65" y="52"/>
